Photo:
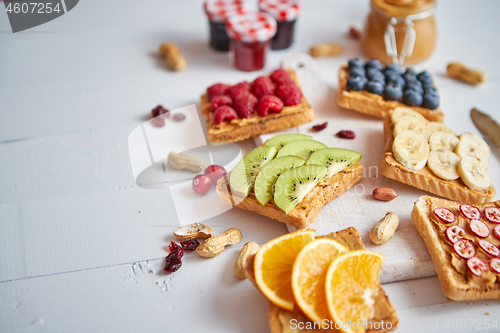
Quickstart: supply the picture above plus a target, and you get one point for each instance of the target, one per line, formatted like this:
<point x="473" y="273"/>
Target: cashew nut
<point x="243" y="267"/>
<point x="187" y="161"/>
<point x="215" y="245"/>
<point x="383" y="231"/>
<point x="193" y="230"/>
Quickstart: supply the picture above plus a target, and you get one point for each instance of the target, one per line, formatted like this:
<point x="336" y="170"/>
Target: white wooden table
<point x="82" y="247"/>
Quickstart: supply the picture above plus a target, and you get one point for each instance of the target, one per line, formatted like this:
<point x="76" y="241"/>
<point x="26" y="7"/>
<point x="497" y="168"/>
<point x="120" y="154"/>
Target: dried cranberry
<point x="224" y="112"/>
<point x="354" y="32"/>
<point x="262" y="86"/>
<point x="240" y="88"/>
<point x="219" y="101"/>
<point x="290" y="95"/>
<point x="158" y="122"/>
<point x="319" y="127"/>
<point x="269" y="102"/>
<point x="244" y="104"/>
<point x="190" y="245"/>
<point x="346" y="135"/>
<point x="172" y="262"/>
<point x="173" y="247"/>
<point x="179" y="117"/>
<point x="217" y="89"/>
<point x="158" y="111"/>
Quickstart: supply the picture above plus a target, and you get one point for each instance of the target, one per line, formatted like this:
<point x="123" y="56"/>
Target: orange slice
<point x="351" y="281"/>
<point x="273" y="266"/>
<point x="308" y="276"/>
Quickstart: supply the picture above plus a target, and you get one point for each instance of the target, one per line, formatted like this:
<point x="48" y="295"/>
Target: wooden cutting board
<point x="406" y="256"/>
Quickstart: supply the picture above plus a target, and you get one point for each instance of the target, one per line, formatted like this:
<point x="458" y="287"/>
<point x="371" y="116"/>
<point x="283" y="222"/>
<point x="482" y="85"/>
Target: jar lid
<point x="220" y="10"/>
<point x="282" y="10"/>
<point x="251" y="27"/>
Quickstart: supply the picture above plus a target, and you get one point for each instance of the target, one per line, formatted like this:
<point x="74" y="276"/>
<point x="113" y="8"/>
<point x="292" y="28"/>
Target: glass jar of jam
<point x="286" y="13"/>
<point x="250" y="35"/>
<point x="217" y="12"/>
<point x="400" y="31"/>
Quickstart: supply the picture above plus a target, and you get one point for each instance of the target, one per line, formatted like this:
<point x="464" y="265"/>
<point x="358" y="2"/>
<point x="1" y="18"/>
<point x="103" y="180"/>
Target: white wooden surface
<point x="81" y="246"/>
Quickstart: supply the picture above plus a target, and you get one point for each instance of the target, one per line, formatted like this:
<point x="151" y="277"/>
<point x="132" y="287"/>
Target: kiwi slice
<point x="301" y="148"/>
<point x="294" y="184"/>
<point x="264" y="183"/>
<point x="335" y="159"/>
<point x="244" y="173"/>
<point x="280" y="140"/>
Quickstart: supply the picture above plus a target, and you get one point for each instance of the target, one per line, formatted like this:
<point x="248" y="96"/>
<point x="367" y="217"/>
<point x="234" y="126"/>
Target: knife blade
<point x="488" y="126"/>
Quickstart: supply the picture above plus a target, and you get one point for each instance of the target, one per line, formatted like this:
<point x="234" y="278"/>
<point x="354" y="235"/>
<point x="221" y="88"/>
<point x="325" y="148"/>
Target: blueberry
<point x="374" y="64"/>
<point x="392" y="67"/>
<point x="430" y="90"/>
<point x="412" y="98"/>
<point x="356" y="82"/>
<point x="424" y="76"/>
<point x="428" y="85"/>
<point x="415" y="86"/>
<point x="375" y="75"/>
<point x="358" y="71"/>
<point x="411" y="71"/>
<point x="409" y="77"/>
<point x="396" y="78"/>
<point x="392" y="91"/>
<point x="375" y="87"/>
<point x="430" y="101"/>
<point x="356" y="62"/>
<point x="390" y="72"/>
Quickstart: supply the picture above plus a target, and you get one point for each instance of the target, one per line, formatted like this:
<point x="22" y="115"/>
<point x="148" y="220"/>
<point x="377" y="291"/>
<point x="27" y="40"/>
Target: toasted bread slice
<point x="456" y="286"/>
<point x="284" y="321"/>
<point x="425" y="180"/>
<point x="241" y="129"/>
<point x="306" y="211"/>
<point x="373" y="104"/>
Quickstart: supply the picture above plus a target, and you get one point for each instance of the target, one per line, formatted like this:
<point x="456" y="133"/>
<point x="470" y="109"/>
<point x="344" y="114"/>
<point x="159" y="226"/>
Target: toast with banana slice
<point x="430" y="156"/>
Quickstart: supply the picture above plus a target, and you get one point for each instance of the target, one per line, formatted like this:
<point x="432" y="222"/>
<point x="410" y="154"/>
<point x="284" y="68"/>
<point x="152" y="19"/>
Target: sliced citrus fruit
<point x="309" y="273"/>
<point x="351" y="281"/>
<point x="273" y="266"/>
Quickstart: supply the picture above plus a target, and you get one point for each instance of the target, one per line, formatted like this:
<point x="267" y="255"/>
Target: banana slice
<point x="436" y="126"/>
<point x="473" y="146"/>
<point x="402" y="111"/>
<point x="473" y="173"/>
<point x="411" y="150"/>
<point x="443" y="141"/>
<point x="412" y="123"/>
<point x="444" y="164"/>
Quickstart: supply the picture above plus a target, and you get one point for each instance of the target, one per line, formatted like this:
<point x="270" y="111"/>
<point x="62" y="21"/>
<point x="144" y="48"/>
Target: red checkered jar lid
<point x="220" y="10"/>
<point x="282" y="10"/>
<point x="251" y="27"/>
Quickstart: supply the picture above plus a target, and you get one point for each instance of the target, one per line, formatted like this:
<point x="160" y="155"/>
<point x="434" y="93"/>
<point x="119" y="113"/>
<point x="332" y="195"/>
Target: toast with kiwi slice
<point x="290" y="179"/>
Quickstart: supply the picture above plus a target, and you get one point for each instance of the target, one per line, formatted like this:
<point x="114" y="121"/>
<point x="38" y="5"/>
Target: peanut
<point x="215" y="245"/>
<point x="173" y="57"/>
<point x="325" y="50"/>
<point x="192" y="231"/>
<point x="243" y="267"/>
<point x="186" y="161"/>
<point x="463" y="73"/>
<point x="384" y="194"/>
<point x="383" y="231"/>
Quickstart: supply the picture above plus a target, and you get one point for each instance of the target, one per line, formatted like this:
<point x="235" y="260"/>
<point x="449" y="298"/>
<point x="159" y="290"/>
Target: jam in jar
<point x="286" y="13"/>
<point x="250" y="34"/>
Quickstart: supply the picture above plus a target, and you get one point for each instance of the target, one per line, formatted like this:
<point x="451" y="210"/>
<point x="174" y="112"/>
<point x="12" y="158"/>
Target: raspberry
<point x="262" y="86"/>
<point x="217" y="89"/>
<point x="269" y="102"/>
<point x="244" y="104"/>
<point x="278" y="74"/>
<point x="239" y="88"/>
<point x="284" y="81"/>
<point x="290" y="95"/>
<point x="219" y="101"/>
<point x="224" y="112"/>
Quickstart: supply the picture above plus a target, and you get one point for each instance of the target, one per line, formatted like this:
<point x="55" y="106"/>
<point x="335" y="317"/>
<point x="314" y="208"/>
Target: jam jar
<point x="286" y="13"/>
<point x="402" y="32"/>
<point x="250" y="34"/>
<point x="217" y="12"/>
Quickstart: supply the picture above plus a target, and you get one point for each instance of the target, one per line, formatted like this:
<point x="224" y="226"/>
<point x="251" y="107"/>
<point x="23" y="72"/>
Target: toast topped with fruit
<point x="290" y="178"/>
<point x="429" y="156"/>
<point x="374" y="89"/>
<point x="244" y="110"/>
<point x="463" y="241"/>
<point x="305" y="307"/>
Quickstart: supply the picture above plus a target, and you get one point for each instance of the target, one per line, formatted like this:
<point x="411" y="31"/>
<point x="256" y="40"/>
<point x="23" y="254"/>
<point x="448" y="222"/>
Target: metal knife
<point x="488" y="126"/>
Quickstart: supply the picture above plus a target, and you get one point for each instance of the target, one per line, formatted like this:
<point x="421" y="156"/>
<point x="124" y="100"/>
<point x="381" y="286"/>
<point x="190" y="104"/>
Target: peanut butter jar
<point x="400" y="31"/>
